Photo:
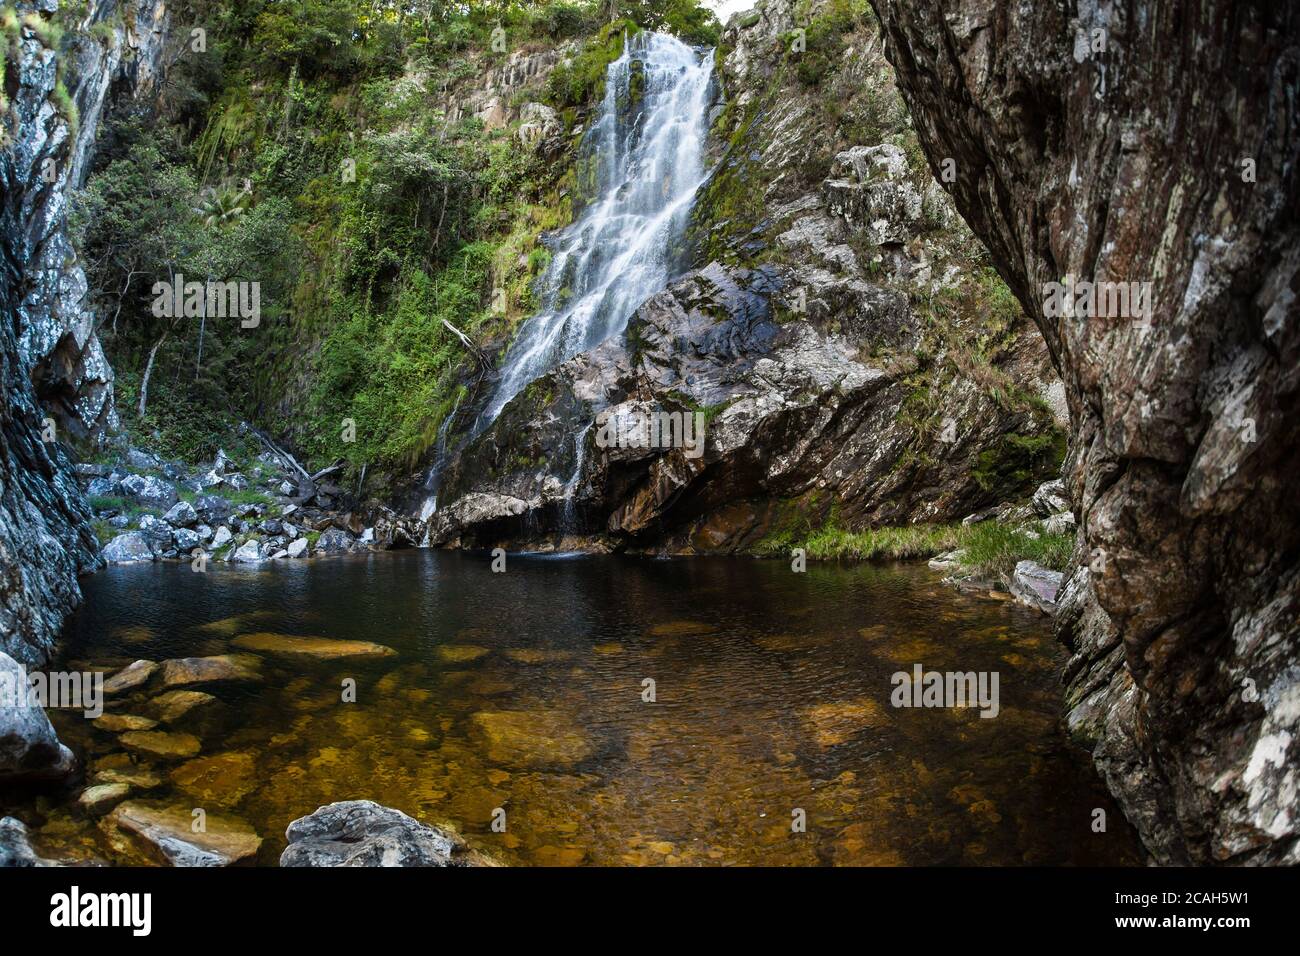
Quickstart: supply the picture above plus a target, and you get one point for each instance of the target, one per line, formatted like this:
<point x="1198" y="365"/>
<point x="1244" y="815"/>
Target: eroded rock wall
<point x="57" y="382"/>
<point x="1144" y="141"/>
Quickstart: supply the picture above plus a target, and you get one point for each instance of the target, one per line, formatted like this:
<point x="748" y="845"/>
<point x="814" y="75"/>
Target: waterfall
<point x="648" y="146"/>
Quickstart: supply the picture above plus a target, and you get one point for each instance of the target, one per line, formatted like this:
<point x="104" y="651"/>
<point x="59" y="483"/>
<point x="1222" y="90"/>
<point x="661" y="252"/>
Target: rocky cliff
<point x="1153" y="142"/>
<point x="57" y="383"/>
<point x="843" y="343"/>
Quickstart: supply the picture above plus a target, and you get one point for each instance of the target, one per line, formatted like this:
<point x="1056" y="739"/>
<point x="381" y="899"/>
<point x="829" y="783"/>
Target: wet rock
<point x="29" y="747"/>
<point x="363" y="833"/>
<point x="15" y="847"/>
<point x="101" y="798"/>
<point x="1036" y="586"/>
<point x="167" y="833"/>
<point x="187" y="671"/>
<point x="250" y="552"/>
<point x="158" y="743"/>
<point x="129" y="678"/>
<point x="128" y="548"/>
<point x="540" y="738"/>
<point x="177" y="704"/>
<point x="311" y="648"/>
<point x="222" y="779"/>
<point x="117" y="723"/>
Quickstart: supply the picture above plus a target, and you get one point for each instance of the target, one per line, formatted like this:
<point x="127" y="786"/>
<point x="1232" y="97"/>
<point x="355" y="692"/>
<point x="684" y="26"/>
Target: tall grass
<point x="991" y="550"/>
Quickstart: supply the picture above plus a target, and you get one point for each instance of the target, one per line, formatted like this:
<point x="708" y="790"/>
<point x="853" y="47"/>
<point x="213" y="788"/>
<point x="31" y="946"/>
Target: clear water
<point x="772" y="695"/>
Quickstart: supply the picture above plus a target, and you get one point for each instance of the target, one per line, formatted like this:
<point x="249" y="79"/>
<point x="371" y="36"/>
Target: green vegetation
<point x="991" y="549"/>
<point x="319" y="149"/>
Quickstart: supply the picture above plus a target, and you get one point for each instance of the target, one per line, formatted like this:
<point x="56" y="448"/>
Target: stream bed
<point x="523" y="697"/>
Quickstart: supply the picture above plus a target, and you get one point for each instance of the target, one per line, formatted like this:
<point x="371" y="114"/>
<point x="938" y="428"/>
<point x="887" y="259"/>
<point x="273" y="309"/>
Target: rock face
<point x="1088" y="148"/>
<point x="363" y="833"/>
<point x="807" y="381"/>
<point x="57" y="383"/>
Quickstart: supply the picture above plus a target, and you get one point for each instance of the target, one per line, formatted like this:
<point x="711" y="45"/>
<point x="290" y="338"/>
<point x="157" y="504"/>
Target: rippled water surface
<point x="524" y="691"/>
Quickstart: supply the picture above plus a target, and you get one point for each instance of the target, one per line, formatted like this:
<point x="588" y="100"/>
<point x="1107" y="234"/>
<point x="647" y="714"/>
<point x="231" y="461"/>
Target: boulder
<point x="211" y="509"/>
<point x="181" y="515"/>
<point x="127" y="548"/>
<point x="363" y="833"/>
<point x="15" y="848"/>
<point x="221" y="537"/>
<point x="1050" y="499"/>
<point x="149" y="491"/>
<point x="29" y="747"/>
<point x="1036" y="586"/>
<point x="334" y="541"/>
<point x="186" y="540"/>
<point x="297" y="548"/>
<point x="250" y="552"/>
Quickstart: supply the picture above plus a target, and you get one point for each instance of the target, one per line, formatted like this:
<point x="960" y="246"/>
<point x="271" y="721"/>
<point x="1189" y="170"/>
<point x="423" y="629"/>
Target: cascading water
<point x="648" y="143"/>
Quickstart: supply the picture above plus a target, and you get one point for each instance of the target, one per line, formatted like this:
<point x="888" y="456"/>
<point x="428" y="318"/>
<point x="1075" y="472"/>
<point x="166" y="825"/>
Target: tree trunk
<point x="144" y="380"/>
<point x="1157" y="142"/>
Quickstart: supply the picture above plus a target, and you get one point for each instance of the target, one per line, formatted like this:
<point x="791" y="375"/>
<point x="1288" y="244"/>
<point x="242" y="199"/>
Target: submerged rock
<point x="538" y="738"/>
<point x="130" y="678"/>
<point x="363" y="833"/>
<point x="176" y="704"/>
<point x="168" y="834"/>
<point x="186" y="671"/>
<point x="311" y="648"/>
<point x="159" y="743"/>
<point x="101" y="798"/>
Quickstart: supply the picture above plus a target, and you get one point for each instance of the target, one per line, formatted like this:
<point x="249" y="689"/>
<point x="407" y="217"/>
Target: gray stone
<point x="181" y="515"/>
<point x="129" y="547"/>
<point x="15" y="847"/>
<point x="250" y="552"/>
<point x="149" y="491"/>
<point x="29" y="747"/>
<point x="363" y="833"/>
<point x="1036" y="586"/>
